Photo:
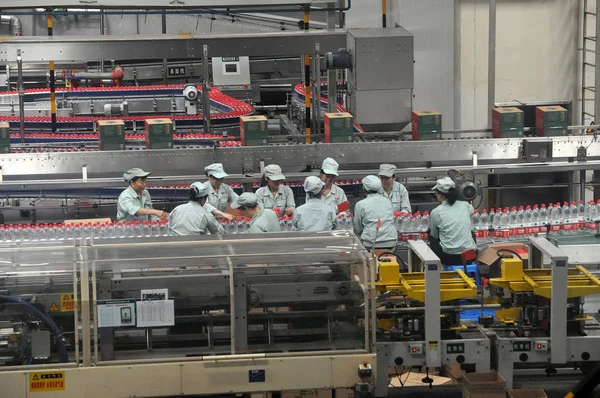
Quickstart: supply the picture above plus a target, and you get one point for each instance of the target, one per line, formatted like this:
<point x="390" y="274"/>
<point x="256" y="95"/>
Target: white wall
<point x="432" y="24"/>
<point x="536" y="54"/>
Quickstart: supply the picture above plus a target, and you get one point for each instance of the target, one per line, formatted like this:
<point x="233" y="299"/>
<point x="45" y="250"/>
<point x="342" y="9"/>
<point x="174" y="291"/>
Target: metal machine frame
<point x="433" y="351"/>
<point x="558" y="348"/>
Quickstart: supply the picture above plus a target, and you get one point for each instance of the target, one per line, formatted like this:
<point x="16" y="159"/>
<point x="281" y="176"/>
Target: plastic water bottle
<point x="496" y="223"/>
<point x="475" y="222"/>
<point x="512" y="223"/>
<point x="119" y="230"/>
<point x="593" y="216"/>
<point x="535" y="220"/>
<point x="556" y="217"/>
<point x="138" y="229"/>
<point x="503" y="225"/>
<point x="398" y="222"/>
<point x="574" y="213"/>
<point x="566" y="218"/>
<point x="491" y="215"/>
<point x="248" y="220"/>
<point x="156" y="228"/>
<point x="164" y="228"/>
<point x="289" y="223"/>
<point x="129" y="230"/>
<point x="424" y="225"/>
<point x="406" y="226"/>
<point x="520" y="223"/>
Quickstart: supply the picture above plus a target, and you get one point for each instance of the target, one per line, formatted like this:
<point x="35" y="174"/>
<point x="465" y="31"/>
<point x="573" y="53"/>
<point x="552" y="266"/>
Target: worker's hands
<point x="163" y="215"/>
<point x="289" y="211"/>
<point x="229" y="217"/>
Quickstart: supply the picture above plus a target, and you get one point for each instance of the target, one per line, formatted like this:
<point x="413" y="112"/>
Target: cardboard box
<point x="4" y="131"/>
<point x="254" y="130"/>
<point x="426" y="125"/>
<point x="507" y="122"/>
<point x="527" y="394"/>
<point x="551" y="121"/>
<point x="413" y="379"/>
<point x="489" y="256"/>
<point x="453" y="371"/>
<point x="111" y="129"/>
<point x="483" y="385"/>
<point x="112" y="146"/>
<point x="159" y="134"/>
<point x="339" y="127"/>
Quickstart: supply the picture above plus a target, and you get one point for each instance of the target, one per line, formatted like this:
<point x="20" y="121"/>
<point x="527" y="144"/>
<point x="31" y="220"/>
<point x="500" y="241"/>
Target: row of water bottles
<point x="411" y="226"/>
<point x="240" y="225"/>
<point x="56" y="231"/>
<point x="526" y="221"/>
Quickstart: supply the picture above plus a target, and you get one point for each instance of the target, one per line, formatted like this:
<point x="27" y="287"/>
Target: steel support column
<point x="492" y="60"/>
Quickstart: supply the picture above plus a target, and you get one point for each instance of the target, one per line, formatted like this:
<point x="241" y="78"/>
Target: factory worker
<point x="314" y="215"/>
<point x="450" y="224"/>
<point x="134" y="203"/>
<point x="392" y="189"/>
<point x="332" y="194"/>
<point x="262" y="220"/>
<point x="374" y="218"/>
<point x="219" y="194"/>
<point x="192" y="218"/>
<point x="274" y="195"/>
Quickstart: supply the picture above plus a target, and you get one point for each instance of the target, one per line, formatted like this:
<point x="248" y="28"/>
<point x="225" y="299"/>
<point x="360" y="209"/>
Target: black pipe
<point x="62" y="349"/>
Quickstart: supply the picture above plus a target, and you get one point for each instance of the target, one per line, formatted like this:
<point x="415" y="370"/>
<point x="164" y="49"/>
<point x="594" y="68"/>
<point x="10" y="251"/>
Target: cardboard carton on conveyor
<point x="490" y="256"/>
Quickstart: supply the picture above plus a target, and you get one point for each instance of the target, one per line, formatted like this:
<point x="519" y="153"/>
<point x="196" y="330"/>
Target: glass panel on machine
<point x="37" y="303"/>
<point x="185" y="297"/>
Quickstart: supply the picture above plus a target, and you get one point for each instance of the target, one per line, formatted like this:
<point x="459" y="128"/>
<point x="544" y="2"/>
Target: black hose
<point x="510" y="251"/>
<point x="62" y="349"/>
<point x="394" y="254"/>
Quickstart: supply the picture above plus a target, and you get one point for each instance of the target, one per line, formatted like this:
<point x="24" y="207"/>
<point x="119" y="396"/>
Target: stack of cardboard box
<point x="111" y="135"/>
<point x="254" y="130"/>
<point x="338" y="127"/>
<point x="159" y="134"/>
<point x="426" y="125"/>
<point x="4" y="137"/>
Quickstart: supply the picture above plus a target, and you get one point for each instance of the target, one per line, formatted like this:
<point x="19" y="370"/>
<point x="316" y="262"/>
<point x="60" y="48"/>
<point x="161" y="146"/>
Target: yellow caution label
<point x="5" y="38"/>
<point x="53" y="308"/>
<point x="67" y="302"/>
<point x="46" y="381"/>
<point x="185" y="35"/>
<point x="433" y="344"/>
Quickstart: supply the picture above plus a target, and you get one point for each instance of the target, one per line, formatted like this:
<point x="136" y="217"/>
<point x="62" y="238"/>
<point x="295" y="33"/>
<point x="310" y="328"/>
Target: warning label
<point x="53" y="308"/>
<point x="46" y="381"/>
<point x="67" y="302"/>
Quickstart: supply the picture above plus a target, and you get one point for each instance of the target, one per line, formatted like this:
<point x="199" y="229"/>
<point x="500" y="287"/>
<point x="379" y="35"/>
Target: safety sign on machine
<point x="67" y="302"/>
<point x="47" y="381"/>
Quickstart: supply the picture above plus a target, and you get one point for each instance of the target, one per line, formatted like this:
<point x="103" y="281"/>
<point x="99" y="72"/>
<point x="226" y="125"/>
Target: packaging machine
<point x="190" y="309"/>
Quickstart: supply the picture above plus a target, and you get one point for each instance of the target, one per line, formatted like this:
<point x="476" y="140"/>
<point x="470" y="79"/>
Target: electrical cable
<point x="510" y="251"/>
<point x="402" y="262"/>
<point x="62" y="349"/>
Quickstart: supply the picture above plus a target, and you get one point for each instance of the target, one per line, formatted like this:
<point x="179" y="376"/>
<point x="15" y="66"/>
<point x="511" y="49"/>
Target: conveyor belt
<point x="228" y="109"/>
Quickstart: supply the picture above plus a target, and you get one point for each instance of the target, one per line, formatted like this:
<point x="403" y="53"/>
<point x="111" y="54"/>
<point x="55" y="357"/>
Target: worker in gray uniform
<point x="273" y="194"/>
<point x="134" y="203"/>
<point x="374" y="218"/>
<point x="392" y="189"/>
<point x="262" y="220"/>
<point x="219" y="194"/>
<point x="450" y="231"/>
<point x="333" y="195"/>
<point x="314" y="215"/>
<point x="192" y="218"/>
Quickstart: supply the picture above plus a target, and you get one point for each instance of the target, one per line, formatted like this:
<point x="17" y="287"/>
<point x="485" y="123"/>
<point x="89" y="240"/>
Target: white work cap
<point x="201" y="189"/>
<point x="372" y="183"/>
<point x="274" y="173"/>
<point x="133" y="173"/>
<point x="387" y="170"/>
<point x="444" y="184"/>
<point x="313" y="185"/>
<point x="247" y="199"/>
<point x="330" y="166"/>
<point x="216" y="170"/>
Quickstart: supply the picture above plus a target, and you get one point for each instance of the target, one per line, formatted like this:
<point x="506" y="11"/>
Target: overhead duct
<point x="15" y="24"/>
